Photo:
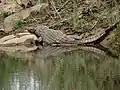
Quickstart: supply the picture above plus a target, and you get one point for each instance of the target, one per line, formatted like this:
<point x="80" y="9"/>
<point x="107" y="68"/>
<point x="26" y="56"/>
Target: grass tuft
<point x="4" y="14"/>
<point x="19" y="24"/>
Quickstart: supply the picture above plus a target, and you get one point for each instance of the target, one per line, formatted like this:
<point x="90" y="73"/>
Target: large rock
<point x="20" y="42"/>
<point x="9" y="6"/>
<point x="9" y="21"/>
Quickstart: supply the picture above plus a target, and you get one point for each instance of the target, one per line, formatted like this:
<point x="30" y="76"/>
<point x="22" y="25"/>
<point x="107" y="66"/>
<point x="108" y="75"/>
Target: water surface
<point x="68" y="69"/>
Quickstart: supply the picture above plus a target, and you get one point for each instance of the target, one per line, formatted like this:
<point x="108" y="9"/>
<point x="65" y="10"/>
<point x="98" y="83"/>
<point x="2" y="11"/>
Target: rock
<point x="23" y="14"/>
<point x="9" y="21"/>
<point x="9" y="6"/>
<point x="39" y="7"/>
<point x="19" y="42"/>
<point x="21" y="48"/>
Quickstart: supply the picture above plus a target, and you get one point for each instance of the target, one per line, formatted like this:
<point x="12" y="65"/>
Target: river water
<point x="70" y="69"/>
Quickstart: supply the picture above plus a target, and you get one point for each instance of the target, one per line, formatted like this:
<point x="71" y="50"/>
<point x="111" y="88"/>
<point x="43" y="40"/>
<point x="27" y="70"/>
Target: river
<point x="73" y="69"/>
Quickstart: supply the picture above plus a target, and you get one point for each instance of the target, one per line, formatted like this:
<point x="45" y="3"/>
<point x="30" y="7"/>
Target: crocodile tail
<point x="107" y="32"/>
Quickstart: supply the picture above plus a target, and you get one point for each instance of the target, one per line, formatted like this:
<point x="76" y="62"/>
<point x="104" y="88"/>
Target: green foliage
<point x="3" y="14"/>
<point x="19" y="24"/>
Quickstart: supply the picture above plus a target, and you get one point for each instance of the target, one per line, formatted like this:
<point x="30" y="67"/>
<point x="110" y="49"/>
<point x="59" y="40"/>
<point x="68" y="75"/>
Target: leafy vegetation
<point x="19" y="24"/>
<point x="3" y="14"/>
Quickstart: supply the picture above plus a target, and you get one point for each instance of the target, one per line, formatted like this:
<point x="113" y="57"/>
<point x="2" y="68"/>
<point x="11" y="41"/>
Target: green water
<point x="75" y="70"/>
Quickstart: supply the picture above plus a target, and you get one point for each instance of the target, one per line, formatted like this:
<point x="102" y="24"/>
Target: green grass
<point x="3" y="14"/>
<point x="19" y="24"/>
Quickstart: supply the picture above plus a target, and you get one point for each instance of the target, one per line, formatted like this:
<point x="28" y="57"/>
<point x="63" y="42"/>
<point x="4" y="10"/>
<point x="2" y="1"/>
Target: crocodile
<point x="57" y="37"/>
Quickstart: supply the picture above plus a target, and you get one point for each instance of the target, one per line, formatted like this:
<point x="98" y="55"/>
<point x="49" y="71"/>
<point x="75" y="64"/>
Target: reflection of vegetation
<point x="19" y="24"/>
<point x="76" y="71"/>
<point x="73" y="71"/>
<point x="7" y="67"/>
<point x="71" y="74"/>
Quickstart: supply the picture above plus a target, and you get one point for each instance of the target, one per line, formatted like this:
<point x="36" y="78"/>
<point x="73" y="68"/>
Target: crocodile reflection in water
<point x="50" y="51"/>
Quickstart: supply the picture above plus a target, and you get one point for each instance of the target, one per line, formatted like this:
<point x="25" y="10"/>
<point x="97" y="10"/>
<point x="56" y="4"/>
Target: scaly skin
<point x="51" y="36"/>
